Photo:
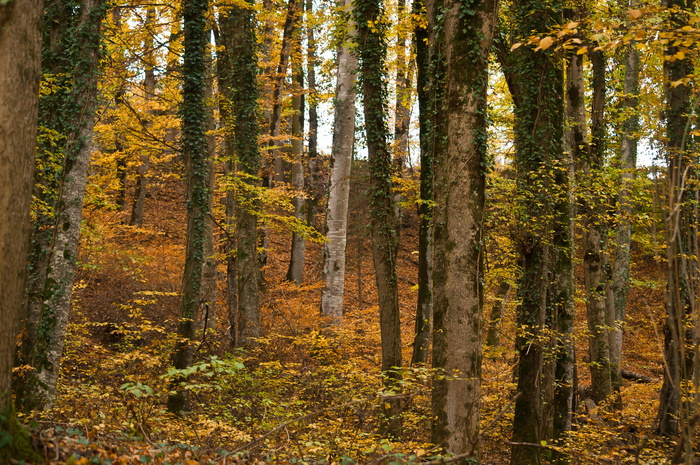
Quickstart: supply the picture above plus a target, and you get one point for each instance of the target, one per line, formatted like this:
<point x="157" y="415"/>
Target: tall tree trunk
<point x="623" y="233"/>
<point x="293" y="11"/>
<point x="536" y="81"/>
<point x="460" y="181"/>
<point x="238" y="36"/>
<point x="402" y="106"/>
<point x="195" y="152"/>
<point x="674" y="416"/>
<point x="595" y="241"/>
<point x="149" y="87"/>
<point x="295" y="272"/>
<point x="371" y="34"/>
<point x="427" y="119"/>
<point x="71" y="50"/>
<point x="20" y="53"/>
<point x="313" y="165"/>
<point x="339" y="189"/>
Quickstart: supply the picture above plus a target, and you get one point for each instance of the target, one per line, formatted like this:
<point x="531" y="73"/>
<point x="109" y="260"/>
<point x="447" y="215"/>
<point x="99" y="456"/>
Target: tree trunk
<point x="459" y="150"/>
<point x="195" y="152"/>
<point x="313" y="165"/>
<point x="675" y="414"/>
<point x="295" y="272"/>
<point x="543" y="206"/>
<point x="426" y="98"/>
<point x="371" y="46"/>
<point x="71" y="47"/>
<point x="339" y="189"/>
<point x="402" y="107"/>
<point x="149" y="87"/>
<point x="20" y="53"/>
<point x="595" y="242"/>
<point x="238" y="36"/>
<point x="623" y="233"/>
<point x="499" y="306"/>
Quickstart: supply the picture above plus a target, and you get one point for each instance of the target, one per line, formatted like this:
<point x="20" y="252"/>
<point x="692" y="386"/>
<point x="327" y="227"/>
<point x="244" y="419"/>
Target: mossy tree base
<point x="15" y="442"/>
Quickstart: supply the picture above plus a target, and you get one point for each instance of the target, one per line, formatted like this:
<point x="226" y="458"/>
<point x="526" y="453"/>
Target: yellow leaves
<point x="634" y="14"/>
<point x="545" y="43"/>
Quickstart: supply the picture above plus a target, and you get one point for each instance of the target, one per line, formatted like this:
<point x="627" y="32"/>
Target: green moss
<point x="14" y="438"/>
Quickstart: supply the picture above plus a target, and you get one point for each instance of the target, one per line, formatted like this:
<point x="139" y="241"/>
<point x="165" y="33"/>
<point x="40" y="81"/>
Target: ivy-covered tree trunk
<point x="426" y="98"/>
<point x="20" y="53"/>
<point x="623" y="233"/>
<point x="402" y="106"/>
<point x="341" y="162"/>
<point x="536" y="81"/>
<point x="196" y="154"/>
<point x="295" y="272"/>
<point x="70" y="53"/>
<point x="460" y="181"/>
<point x="371" y="47"/>
<point x="677" y="407"/>
<point x="238" y="37"/>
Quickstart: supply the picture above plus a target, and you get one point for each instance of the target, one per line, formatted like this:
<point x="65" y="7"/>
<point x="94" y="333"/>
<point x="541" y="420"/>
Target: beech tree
<point x="20" y="53"/>
<point x="462" y="41"/>
<point x="70" y="57"/>
<point x="341" y="162"/>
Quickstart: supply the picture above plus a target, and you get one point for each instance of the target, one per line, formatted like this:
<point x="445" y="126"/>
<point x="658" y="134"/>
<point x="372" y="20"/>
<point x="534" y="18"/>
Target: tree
<point x="20" y="52"/>
<point x="295" y="271"/>
<point x="427" y="98"/>
<point x="238" y="37"/>
<point x="676" y="408"/>
<point x="459" y="153"/>
<point x="371" y="49"/>
<point x="196" y="154"/>
<point x="341" y="161"/>
<point x="70" y="60"/>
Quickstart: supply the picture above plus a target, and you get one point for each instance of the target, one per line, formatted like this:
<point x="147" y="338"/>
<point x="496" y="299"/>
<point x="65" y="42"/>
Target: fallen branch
<point x="632" y="376"/>
<point x="454" y="458"/>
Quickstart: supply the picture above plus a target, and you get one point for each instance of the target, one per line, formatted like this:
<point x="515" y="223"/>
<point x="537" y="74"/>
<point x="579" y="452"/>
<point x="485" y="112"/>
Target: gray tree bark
<point x="51" y="272"/>
<point x="339" y="189"/>
<point x="460" y="182"/>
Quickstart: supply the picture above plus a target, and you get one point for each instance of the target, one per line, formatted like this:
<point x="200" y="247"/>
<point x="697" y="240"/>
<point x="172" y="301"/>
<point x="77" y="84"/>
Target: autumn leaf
<point x="546" y="42"/>
<point x="634" y="14"/>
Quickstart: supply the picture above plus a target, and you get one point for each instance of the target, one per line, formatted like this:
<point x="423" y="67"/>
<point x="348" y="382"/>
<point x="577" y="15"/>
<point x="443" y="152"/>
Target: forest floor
<point x="304" y="393"/>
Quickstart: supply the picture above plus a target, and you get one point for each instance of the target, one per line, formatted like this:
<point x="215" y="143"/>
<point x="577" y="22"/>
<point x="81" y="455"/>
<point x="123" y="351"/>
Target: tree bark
<point x="238" y="36"/>
<point x="460" y="181"/>
<point x="313" y="165"/>
<point x="623" y="233"/>
<point x="295" y="272"/>
<point x="371" y="46"/>
<point x="20" y="54"/>
<point x="196" y="155"/>
<point x="339" y="189"/>
<point x="674" y="416"/>
<point x="71" y="46"/>
<point x="426" y="99"/>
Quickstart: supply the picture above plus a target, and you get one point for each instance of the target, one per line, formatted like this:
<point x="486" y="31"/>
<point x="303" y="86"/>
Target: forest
<point x="349" y="232"/>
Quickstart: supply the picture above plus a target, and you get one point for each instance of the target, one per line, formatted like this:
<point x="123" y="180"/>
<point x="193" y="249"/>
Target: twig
<point x="502" y="411"/>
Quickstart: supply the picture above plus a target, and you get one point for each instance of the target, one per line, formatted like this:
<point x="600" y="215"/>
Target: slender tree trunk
<point x="195" y="151"/>
<point x="295" y="272"/>
<point x="675" y="413"/>
<point x="384" y="225"/>
<point x="20" y="54"/>
<point x="402" y="106"/>
<point x="149" y="87"/>
<point x="339" y="189"/>
<point x="460" y="182"/>
<point x="426" y="97"/>
<point x="238" y="36"/>
<point x="499" y="306"/>
<point x="623" y="233"/>
<point x="74" y="51"/>
<point x="313" y="165"/>
<point x="595" y="242"/>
